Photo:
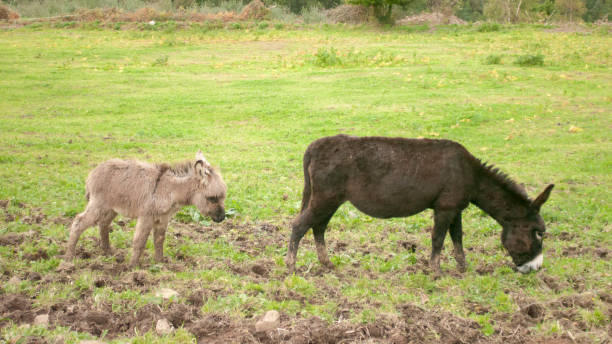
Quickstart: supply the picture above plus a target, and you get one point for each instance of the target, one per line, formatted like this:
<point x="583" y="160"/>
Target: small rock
<point x="163" y="327"/>
<point x="42" y="319"/>
<point x="166" y="293"/>
<point x="14" y="280"/>
<point x="269" y="322"/>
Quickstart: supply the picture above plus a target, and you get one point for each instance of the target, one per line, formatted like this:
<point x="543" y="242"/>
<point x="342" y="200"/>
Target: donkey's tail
<point x="307" y="190"/>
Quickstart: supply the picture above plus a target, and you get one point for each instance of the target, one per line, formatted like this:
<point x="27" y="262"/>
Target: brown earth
<point x="410" y="323"/>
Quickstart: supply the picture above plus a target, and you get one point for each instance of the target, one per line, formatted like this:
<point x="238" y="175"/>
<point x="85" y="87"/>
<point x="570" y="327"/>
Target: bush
<point x="529" y="60"/>
<point x="327" y="57"/>
<point x="493" y="60"/>
<point x="489" y="27"/>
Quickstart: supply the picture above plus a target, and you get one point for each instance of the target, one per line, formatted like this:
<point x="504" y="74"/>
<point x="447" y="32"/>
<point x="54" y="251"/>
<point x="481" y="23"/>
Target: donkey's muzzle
<point x="533" y="264"/>
<point x="218" y="217"/>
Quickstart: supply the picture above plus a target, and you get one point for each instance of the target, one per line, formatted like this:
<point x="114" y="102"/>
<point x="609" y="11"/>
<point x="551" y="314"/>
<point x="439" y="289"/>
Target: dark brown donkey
<point x="398" y="177"/>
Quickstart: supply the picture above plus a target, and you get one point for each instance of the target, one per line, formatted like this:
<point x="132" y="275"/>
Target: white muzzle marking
<point x="533" y="264"/>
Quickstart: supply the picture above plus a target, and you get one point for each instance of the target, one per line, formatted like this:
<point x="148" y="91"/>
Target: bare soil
<point x="410" y="323"/>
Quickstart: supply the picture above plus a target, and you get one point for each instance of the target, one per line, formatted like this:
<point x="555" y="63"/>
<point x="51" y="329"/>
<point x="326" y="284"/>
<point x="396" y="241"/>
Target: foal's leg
<point x="319" y="237"/>
<point x="456" y="233"/>
<point x="104" y="224"/>
<point x="442" y="220"/>
<point x="81" y="222"/>
<point x="143" y="228"/>
<point x="159" y="235"/>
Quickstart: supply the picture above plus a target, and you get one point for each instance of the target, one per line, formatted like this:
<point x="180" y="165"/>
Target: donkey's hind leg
<point x="315" y="216"/>
<point x="104" y="224"/>
<point x="456" y="233"/>
<point x="319" y="236"/>
<point x="299" y="227"/>
<point x="81" y="222"/>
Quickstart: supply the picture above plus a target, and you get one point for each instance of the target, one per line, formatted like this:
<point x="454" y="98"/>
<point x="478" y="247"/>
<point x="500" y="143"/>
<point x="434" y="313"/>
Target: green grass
<point x="252" y="100"/>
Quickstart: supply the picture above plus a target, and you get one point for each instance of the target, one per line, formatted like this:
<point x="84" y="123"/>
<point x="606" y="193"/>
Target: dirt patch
<point x="38" y="255"/>
<point x="552" y="282"/>
<point x="535" y="311"/>
<point x="15" y="307"/>
<point x="435" y="18"/>
<point x="349" y="14"/>
<point x="596" y="252"/>
<point x="11" y="239"/>
<point x="569" y="28"/>
<point x="218" y="328"/>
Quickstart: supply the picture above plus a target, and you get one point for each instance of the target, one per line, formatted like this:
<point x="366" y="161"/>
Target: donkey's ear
<point x="537" y="203"/>
<point x="200" y="157"/>
<point x="202" y="170"/>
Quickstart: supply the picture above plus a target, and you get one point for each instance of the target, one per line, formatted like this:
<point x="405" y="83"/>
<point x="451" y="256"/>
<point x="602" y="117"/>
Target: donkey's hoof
<point x="65" y="266"/>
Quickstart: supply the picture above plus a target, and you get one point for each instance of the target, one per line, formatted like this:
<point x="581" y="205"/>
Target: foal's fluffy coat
<point x="150" y="192"/>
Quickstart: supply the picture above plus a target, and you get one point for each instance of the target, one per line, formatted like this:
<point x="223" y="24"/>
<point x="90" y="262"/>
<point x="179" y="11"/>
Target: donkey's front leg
<point x="159" y="235"/>
<point x="456" y="233"/>
<point x="442" y="220"/>
<point x="143" y="228"/>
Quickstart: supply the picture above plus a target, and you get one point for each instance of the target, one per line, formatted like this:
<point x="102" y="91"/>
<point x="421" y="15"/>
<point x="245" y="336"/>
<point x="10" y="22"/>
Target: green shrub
<point x="529" y="60"/>
<point x="493" y="60"/>
<point x="489" y="27"/>
<point x="327" y="57"/>
<point x="263" y="25"/>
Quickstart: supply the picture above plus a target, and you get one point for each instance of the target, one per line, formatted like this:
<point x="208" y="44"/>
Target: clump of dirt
<point x="585" y="300"/>
<point x="423" y="326"/>
<point x="552" y="282"/>
<point x="11" y="239"/>
<point x="7" y="14"/>
<point x="349" y="14"/>
<point x="410" y="245"/>
<point x="4" y="202"/>
<point x="254" y="10"/>
<point x="477" y="308"/>
<point x="15" y="307"/>
<point x="535" y="311"/>
<point x="218" y="328"/>
<point x="38" y="255"/>
<point x="260" y="270"/>
<point x="435" y="18"/>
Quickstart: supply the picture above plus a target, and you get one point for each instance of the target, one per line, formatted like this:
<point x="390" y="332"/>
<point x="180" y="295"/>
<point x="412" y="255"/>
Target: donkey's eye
<point x="538" y="234"/>
<point x="212" y="199"/>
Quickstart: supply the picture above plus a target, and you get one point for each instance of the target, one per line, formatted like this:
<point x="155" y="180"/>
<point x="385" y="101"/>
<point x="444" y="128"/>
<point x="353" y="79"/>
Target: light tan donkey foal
<point x="152" y="193"/>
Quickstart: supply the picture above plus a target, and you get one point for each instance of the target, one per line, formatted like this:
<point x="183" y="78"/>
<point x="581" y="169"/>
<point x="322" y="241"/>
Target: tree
<point x="571" y="9"/>
<point x="382" y="8"/>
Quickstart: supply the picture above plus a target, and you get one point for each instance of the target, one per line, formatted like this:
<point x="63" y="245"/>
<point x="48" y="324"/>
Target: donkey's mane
<point x="503" y="180"/>
<point x="179" y="169"/>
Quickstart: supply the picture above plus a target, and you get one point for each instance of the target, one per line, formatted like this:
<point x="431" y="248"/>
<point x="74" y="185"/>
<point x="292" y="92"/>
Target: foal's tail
<point x="307" y="190"/>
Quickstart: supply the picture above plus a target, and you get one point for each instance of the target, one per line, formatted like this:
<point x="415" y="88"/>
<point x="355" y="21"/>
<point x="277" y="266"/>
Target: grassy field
<point x="535" y="101"/>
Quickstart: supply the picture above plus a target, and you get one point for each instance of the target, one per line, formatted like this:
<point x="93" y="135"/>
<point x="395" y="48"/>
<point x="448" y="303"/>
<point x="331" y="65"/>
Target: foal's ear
<point x="537" y="203"/>
<point x="202" y="167"/>
<point x="200" y="157"/>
